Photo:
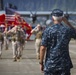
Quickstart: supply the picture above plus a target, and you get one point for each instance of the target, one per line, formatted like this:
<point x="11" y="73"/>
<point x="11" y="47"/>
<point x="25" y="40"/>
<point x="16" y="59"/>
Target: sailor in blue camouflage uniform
<point x="55" y="42"/>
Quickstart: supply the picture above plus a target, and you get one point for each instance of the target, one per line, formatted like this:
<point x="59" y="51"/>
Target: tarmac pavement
<point x="28" y="65"/>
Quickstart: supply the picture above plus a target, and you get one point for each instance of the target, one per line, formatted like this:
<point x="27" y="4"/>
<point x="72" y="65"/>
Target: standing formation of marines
<point x="18" y="40"/>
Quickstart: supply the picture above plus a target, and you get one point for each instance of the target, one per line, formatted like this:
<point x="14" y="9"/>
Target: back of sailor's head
<point x="57" y="14"/>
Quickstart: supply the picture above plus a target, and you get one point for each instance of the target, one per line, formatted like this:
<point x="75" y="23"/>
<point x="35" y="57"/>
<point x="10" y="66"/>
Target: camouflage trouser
<point x="6" y="42"/>
<point x="17" y="49"/>
<point x="37" y="46"/>
<point x="60" y="72"/>
<point x="1" y="45"/>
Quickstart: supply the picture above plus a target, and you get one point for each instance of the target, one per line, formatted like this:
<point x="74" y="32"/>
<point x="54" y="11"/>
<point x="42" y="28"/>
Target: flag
<point x="10" y="11"/>
<point x="2" y="19"/>
<point x="10" y="17"/>
<point x="28" y="28"/>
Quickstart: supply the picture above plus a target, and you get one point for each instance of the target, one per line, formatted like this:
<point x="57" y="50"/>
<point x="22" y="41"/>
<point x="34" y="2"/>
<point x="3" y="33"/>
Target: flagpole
<point x="1" y="5"/>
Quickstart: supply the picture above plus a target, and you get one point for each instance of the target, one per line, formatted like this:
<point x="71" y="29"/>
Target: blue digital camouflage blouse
<point x="56" y="38"/>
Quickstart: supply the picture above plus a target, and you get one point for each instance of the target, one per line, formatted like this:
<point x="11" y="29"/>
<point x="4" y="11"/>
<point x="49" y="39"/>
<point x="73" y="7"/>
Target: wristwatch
<point x="41" y="63"/>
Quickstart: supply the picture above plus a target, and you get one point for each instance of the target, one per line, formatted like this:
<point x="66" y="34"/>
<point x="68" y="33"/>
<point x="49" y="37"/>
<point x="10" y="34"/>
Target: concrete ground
<point x="28" y="65"/>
